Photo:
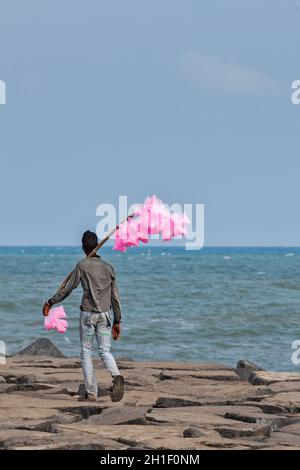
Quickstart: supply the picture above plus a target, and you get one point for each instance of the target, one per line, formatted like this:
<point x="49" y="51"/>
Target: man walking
<point x="100" y="315"/>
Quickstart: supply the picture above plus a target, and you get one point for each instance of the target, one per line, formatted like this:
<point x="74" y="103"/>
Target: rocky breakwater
<point x="167" y="405"/>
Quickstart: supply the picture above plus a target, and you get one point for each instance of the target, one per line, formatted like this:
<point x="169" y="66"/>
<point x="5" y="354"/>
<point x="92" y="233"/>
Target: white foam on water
<point x="290" y="254"/>
<point x="227" y="257"/>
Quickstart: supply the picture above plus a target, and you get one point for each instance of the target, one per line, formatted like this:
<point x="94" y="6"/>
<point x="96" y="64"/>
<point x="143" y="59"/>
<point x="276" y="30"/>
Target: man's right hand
<point x="116" y="331"/>
<point x="46" y="309"/>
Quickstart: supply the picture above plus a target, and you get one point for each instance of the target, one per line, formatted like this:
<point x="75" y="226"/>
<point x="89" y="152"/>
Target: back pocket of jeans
<point x="86" y="320"/>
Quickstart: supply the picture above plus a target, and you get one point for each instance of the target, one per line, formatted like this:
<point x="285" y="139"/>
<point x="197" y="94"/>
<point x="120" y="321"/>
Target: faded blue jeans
<point x="96" y="325"/>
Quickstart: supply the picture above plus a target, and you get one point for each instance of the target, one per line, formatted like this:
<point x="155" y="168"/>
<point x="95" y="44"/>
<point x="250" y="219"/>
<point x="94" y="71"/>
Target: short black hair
<point x="89" y="241"/>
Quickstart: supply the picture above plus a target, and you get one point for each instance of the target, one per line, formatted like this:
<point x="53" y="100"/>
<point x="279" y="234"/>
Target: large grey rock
<point x="41" y="347"/>
<point x="245" y="368"/>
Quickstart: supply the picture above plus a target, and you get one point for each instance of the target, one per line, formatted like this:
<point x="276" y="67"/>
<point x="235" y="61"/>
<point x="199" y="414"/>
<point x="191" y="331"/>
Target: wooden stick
<point x="100" y="244"/>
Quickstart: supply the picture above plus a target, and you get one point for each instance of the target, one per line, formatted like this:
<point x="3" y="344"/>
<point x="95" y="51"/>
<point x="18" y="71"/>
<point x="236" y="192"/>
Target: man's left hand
<point x="116" y="331"/>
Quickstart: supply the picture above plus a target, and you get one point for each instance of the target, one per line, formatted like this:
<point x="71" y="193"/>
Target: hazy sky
<point x="190" y="100"/>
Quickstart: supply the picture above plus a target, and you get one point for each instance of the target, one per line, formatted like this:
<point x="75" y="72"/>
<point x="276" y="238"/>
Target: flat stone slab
<point x="283" y="439"/>
<point x="216" y="392"/>
<point x="215" y="375"/>
<point x="219" y="418"/>
<point x="288" y="400"/>
<point x="283" y="386"/>
<point x="10" y="438"/>
<point x="184" y="366"/>
<point x="166" y="405"/>
<point x="120" y="415"/>
<point x="159" y="437"/>
<point x="265" y="378"/>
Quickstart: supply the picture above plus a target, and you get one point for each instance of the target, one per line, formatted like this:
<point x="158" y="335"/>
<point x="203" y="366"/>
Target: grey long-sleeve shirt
<point x="100" y="291"/>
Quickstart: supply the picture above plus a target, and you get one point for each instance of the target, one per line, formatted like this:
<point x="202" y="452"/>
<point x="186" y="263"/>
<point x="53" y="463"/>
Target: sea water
<point x="216" y="304"/>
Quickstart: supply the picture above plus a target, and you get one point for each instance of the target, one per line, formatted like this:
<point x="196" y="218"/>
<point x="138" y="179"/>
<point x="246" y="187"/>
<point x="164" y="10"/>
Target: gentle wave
<point x="7" y="306"/>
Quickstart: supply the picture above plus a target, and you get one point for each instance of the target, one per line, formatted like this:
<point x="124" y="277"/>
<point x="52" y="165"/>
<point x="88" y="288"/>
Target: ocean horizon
<point x="218" y="304"/>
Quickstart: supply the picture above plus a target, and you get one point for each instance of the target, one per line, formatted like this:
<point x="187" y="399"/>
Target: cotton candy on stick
<point x="56" y="320"/>
<point x="149" y="219"/>
<point x="127" y="235"/>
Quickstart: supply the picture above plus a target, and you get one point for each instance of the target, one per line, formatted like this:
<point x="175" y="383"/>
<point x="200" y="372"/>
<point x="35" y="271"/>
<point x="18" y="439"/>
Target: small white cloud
<point x="213" y="73"/>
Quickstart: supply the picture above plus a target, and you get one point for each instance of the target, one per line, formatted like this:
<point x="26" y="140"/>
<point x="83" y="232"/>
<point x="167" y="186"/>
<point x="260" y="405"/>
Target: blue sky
<point x="186" y="99"/>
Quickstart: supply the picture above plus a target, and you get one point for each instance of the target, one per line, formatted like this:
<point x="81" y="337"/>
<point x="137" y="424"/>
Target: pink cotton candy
<point x="56" y="320"/>
<point x="129" y="232"/>
<point x="149" y="219"/>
